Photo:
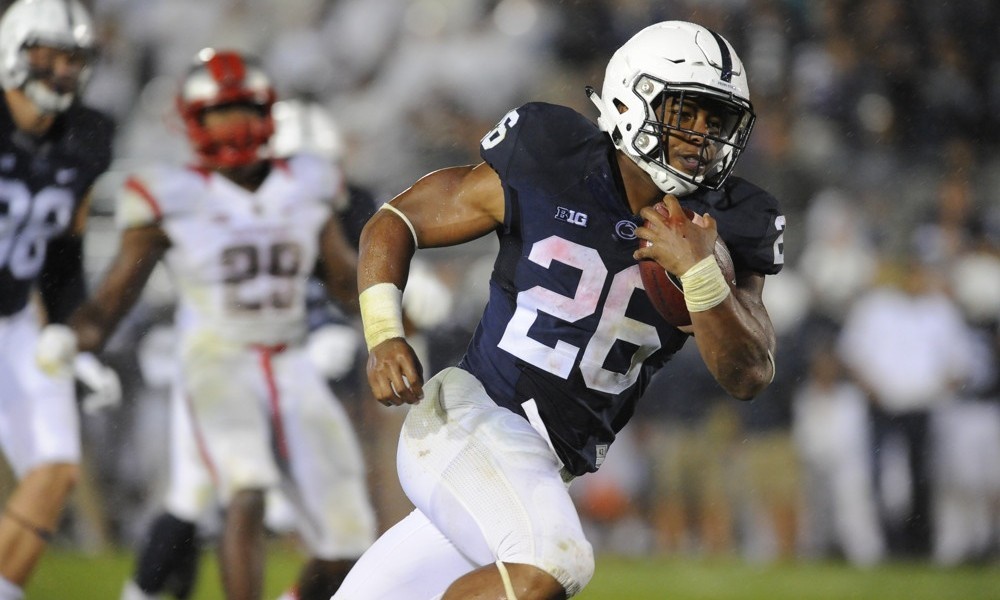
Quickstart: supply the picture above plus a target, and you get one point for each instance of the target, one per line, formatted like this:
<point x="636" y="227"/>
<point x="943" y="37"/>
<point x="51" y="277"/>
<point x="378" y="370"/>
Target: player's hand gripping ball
<point x="665" y="290"/>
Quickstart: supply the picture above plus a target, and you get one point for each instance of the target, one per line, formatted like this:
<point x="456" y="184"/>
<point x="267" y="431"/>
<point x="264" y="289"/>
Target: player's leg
<point x="227" y="390"/>
<point x="241" y="548"/>
<point x="31" y="517"/>
<point x="326" y="482"/>
<point x="320" y="579"/>
<point x="492" y="485"/>
<point x="511" y="581"/>
<point x="410" y="560"/>
<point x="40" y="434"/>
<point x="169" y="556"/>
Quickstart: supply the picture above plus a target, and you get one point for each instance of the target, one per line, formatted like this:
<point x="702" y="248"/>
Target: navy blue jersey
<point x="42" y="182"/>
<point x="749" y="221"/>
<point x="568" y="324"/>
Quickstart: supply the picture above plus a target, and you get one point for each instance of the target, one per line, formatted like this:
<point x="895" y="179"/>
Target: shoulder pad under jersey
<point x="157" y="192"/>
<point x="751" y="223"/>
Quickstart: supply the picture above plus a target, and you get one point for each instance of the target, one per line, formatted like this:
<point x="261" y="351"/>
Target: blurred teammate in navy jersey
<point x="568" y="339"/>
<point x="52" y="149"/>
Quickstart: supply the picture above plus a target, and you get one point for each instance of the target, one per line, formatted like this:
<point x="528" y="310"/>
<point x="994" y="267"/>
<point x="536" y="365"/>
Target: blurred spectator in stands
<point x="967" y="507"/>
<point x="832" y="430"/>
<point x="839" y="259"/>
<point x="689" y="437"/>
<point x="770" y="484"/>
<point x="906" y="344"/>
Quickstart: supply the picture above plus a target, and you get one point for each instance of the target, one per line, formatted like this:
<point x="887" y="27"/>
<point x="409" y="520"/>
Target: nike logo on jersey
<point x="571" y="216"/>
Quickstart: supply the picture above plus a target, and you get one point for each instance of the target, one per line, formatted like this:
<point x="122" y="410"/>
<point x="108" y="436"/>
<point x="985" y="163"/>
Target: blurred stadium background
<point x="878" y="129"/>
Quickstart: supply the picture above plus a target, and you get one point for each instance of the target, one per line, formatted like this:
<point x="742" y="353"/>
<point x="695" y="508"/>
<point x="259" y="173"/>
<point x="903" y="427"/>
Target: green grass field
<point x="69" y="576"/>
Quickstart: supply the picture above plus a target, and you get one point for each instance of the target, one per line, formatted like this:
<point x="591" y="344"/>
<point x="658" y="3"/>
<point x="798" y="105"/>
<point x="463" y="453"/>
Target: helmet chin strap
<point x="603" y="122"/>
<point x="666" y="181"/>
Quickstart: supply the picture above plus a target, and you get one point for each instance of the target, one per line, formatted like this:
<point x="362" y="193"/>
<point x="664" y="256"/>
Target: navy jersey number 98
<point x="28" y="223"/>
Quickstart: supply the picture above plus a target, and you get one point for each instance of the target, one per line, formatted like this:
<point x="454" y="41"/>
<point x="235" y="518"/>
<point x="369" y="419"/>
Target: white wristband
<point x="704" y="285"/>
<point x="381" y="313"/>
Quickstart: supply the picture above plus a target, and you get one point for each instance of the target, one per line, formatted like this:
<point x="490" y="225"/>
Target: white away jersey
<point x="240" y="259"/>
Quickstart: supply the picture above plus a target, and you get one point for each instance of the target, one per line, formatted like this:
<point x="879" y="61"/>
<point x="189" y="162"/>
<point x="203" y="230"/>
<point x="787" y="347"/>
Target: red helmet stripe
<point x="227" y="68"/>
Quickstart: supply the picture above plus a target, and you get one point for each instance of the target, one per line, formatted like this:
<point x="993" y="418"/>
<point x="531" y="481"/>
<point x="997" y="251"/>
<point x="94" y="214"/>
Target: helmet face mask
<point x="46" y="49"/>
<point x="53" y="87"/>
<point x="722" y="139"/>
<point x="227" y="81"/>
<point x="656" y="85"/>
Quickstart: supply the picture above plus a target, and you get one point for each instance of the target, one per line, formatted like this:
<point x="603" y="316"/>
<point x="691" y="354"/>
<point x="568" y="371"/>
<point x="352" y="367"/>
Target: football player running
<point x="240" y="233"/>
<point x="52" y="149"/>
<point x="568" y="339"/>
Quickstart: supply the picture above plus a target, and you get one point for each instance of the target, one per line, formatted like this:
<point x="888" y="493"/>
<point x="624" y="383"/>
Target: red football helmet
<point x="220" y="78"/>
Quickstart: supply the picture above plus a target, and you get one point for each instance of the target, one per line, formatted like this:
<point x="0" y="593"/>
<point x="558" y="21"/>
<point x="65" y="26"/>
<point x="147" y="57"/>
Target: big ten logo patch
<point x="571" y="216"/>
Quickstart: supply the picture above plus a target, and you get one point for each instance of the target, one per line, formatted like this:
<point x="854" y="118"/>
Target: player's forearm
<point x="339" y="266"/>
<point x="385" y="251"/>
<point x="341" y="282"/>
<point x="62" y="282"/>
<point x="345" y="292"/>
<point x="737" y="348"/>
<point x="96" y="320"/>
<point x="92" y="327"/>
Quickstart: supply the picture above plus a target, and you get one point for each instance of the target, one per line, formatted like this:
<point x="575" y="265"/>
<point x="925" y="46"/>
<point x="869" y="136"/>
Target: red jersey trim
<point x="136" y="186"/>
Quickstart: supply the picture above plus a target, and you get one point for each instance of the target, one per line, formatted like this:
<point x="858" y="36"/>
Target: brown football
<point x="665" y="291"/>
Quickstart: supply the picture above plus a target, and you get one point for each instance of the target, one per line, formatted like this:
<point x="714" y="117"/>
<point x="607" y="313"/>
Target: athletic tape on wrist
<point x="405" y="219"/>
<point x="381" y="313"/>
<point x="704" y="285"/>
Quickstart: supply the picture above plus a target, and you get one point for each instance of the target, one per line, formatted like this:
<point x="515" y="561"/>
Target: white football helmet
<point x="62" y="24"/>
<point x="684" y="61"/>
<point x="305" y="126"/>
